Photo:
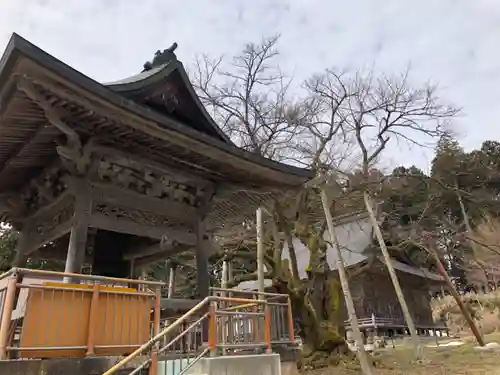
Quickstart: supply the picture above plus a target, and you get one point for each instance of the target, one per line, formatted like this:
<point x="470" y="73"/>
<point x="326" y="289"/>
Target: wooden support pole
<point x="79" y="231"/>
<point x="202" y="275"/>
<point x="21" y="257"/>
<point x="260" y="251"/>
<point x="224" y="320"/>
<point x="394" y="278"/>
<point x="361" y="353"/>
<point x="132" y="268"/>
<point x="171" y="279"/>
<point x="451" y="288"/>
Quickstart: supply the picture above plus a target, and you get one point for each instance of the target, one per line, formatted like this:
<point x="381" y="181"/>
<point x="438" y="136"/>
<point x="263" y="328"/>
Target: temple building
<point x="116" y="176"/>
<point x="376" y="304"/>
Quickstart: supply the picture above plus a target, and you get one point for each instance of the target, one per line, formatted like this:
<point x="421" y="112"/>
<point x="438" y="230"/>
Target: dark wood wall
<point x="374" y="293"/>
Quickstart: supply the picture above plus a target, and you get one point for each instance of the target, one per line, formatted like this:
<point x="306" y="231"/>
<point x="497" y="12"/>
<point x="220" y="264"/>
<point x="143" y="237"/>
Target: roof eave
<point x="18" y="46"/>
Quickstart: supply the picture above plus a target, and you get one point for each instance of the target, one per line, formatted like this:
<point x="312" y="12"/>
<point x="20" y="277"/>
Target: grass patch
<point x="462" y="360"/>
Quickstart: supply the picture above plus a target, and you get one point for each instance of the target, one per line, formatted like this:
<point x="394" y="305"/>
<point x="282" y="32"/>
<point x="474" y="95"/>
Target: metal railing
<point x="227" y="322"/>
<point x="48" y="314"/>
<point x="389" y="322"/>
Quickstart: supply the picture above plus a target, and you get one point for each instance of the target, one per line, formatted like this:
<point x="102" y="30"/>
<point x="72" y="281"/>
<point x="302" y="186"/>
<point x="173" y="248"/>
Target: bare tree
<point x="381" y="109"/>
<point x="249" y="97"/>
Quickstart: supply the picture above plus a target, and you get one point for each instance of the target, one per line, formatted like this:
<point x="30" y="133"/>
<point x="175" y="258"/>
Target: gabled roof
<point x="169" y="82"/>
<point x="27" y="144"/>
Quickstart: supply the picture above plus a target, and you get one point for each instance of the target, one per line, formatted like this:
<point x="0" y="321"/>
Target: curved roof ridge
<point x="153" y="76"/>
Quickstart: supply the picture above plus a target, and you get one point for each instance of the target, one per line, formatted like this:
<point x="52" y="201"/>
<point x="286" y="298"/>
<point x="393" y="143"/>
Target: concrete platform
<point x="261" y="364"/>
<point x="80" y="366"/>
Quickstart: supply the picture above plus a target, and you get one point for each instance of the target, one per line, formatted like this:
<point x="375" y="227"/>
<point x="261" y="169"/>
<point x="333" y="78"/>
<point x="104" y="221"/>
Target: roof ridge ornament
<point x="162" y="57"/>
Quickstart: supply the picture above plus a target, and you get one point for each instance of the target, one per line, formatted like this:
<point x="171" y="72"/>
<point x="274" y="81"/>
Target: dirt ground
<point x="462" y="360"/>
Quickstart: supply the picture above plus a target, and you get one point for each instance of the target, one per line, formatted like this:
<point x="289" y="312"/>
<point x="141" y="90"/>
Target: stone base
<point x="75" y="366"/>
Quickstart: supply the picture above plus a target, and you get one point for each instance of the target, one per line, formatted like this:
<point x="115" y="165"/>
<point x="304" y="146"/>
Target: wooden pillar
<point x="260" y="251"/>
<point x="202" y="275"/>
<point x="78" y="237"/>
<point x="224" y="276"/>
<point x="21" y="257"/>
<point x="230" y="270"/>
<point x="131" y="273"/>
<point x="171" y="279"/>
<point x="202" y="242"/>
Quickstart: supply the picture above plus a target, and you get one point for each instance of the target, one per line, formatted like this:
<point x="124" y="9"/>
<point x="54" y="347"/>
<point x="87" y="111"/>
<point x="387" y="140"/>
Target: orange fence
<point x="47" y="314"/>
<point x="44" y="316"/>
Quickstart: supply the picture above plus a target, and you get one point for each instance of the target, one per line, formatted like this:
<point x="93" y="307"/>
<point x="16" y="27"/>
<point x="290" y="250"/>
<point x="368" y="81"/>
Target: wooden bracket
<point x="75" y="155"/>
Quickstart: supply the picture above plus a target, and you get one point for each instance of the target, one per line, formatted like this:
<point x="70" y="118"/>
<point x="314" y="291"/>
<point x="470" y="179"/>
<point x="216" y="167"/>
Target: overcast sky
<point x="452" y="42"/>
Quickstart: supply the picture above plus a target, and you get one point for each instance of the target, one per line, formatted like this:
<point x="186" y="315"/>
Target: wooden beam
<point x="102" y="192"/>
<point x="139" y="253"/>
<point x="148" y="124"/>
<point x="37" y="241"/>
<point x="157" y="248"/>
<point x="144" y="261"/>
<point x="20" y="148"/>
<point x="53" y="116"/>
<point x="134" y="161"/>
<point x="102" y="221"/>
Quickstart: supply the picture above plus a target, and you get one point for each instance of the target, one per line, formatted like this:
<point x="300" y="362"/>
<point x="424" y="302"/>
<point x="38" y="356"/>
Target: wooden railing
<point x="388" y="322"/>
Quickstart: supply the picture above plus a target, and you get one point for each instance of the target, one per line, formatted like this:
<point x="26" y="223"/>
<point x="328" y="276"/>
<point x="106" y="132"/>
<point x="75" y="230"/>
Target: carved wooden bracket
<point x="75" y="155"/>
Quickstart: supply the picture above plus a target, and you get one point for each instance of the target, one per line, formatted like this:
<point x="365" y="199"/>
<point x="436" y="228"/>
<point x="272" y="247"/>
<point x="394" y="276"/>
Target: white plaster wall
<point x="354" y="237"/>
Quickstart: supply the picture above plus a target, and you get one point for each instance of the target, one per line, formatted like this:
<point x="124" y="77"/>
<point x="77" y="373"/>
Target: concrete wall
<point x="261" y="364"/>
<point x="84" y="366"/>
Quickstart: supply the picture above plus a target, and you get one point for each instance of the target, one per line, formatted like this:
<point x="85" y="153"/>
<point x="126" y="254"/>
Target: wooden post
<point x="456" y="296"/>
<point x="131" y="272"/>
<point x="94" y="311"/>
<point x="224" y="320"/>
<point x="21" y="257"/>
<point x="78" y="237"/>
<point x="260" y="252"/>
<point x="351" y="311"/>
<point x="153" y="368"/>
<point x="291" y="329"/>
<point x="8" y="307"/>
<point x="171" y="280"/>
<point x="203" y="279"/>
<point x="212" y="330"/>
<point x="267" y="328"/>
<point x="202" y="275"/>
<point x="394" y="278"/>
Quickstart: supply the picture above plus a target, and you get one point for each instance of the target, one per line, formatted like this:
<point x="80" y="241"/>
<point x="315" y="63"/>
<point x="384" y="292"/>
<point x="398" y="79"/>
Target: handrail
<point x="154" y="346"/>
<point x="238" y="291"/>
<point x="28" y="271"/>
<point x="163" y="333"/>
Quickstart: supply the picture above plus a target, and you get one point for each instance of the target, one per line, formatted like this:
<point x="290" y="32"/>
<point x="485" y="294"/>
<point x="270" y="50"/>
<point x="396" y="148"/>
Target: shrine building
<point x="119" y="175"/>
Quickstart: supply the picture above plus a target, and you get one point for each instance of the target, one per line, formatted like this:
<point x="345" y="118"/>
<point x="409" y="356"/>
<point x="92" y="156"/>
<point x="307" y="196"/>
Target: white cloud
<point x="453" y="42"/>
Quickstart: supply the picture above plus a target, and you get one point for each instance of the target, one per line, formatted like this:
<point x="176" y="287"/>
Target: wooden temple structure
<point x="123" y="174"/>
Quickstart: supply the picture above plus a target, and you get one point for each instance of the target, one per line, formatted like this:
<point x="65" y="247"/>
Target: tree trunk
<point x="318" y="313"/>
<point x="394" y="278"/>
<point x="363" y="359"/>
